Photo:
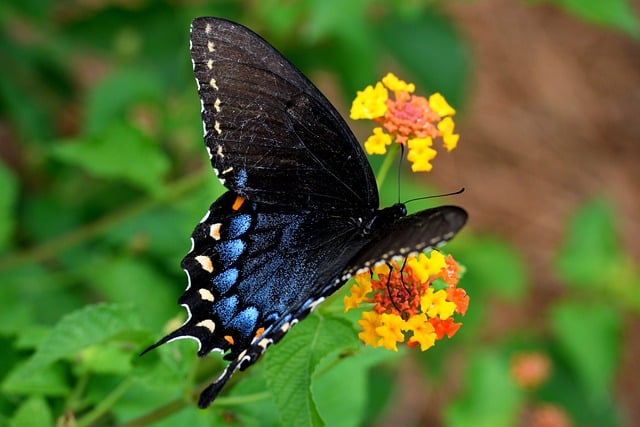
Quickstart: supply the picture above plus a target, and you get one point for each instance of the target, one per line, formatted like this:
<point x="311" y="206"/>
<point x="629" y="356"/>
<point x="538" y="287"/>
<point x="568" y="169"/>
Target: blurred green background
<point x="103" y="176"/>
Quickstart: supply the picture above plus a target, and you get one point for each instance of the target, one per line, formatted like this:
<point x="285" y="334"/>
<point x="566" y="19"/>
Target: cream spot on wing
<point x="205" y="294"/>
<point x="207" y="30"/>
<point x="216" y="105"/>
<point x="210" y="64"/>
<point x="211" y="46"/>
<point x="217" y="127"/>
<point x="227" y="170"/>
<point x="214" y="231"/>
<point x="207" y="323"/>
<point x="213" y="83"/>
<point x="205" y="262"/>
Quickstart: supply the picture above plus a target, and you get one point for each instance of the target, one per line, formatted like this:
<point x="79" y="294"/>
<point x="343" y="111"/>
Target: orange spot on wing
<point x="259" y="332"/>
<point x="229" y="339"/>
<point x="237" y="203"/>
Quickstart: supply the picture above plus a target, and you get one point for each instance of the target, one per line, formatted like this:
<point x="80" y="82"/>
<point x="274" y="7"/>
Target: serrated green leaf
<point x="88" y="326"/>
<point x="589" y="336"/>
<point x="288" y="367"/>
<point x="490" y="400"/>
<point x="8" y="196"/>
<point x="34" y="412"/>
<point x="121" y="151"/>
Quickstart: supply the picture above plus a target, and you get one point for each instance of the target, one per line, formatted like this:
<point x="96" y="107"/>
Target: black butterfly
<point x="301" y="214"/>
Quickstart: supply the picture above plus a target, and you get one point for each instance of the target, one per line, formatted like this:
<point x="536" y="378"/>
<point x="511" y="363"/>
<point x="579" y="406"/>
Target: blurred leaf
<point x="617" y="14"/>
<point x="591" y="248"/>
<point x="139" y="284"/>
<point x="105" y="358"/>
<point x="589" y="336"/>
<point x="289" y="367"/>
<point x="50" y="381"/>
<point x="428" y="47"/>
<point x="85" y="327"/>
<point x="121" y="151"/>
<point x="344" y="403"/>
<point x="490" y="400"/>
<point x="115" y="96"/>
<point x="491" y="266"/>
<point x="34" y="412"/>
<point x="8" y="196"/>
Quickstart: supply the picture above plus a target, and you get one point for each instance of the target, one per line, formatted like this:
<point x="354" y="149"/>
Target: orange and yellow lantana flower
<point x="414" y="300"/>
<point x="411" y="120"/>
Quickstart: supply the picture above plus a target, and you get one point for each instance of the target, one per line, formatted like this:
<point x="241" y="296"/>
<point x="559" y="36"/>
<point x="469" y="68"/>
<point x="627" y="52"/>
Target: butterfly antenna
<point x="453" y="193"/>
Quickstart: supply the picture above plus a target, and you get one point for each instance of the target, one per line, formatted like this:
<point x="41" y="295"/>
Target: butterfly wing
<point x="418" y="232"/>
<point x="254" y="271"/>
<point x="271" y="135"/>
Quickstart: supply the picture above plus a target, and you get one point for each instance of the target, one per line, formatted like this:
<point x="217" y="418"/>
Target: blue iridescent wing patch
<point x="301" y="214"/>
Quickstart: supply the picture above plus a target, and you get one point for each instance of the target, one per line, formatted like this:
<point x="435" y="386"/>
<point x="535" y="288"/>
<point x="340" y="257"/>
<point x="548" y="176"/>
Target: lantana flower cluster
<point x="408" y="119"/>
<point x="413" y="300"/>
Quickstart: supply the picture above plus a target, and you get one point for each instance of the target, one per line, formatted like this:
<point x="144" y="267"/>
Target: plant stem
<point x="386" y="165"/>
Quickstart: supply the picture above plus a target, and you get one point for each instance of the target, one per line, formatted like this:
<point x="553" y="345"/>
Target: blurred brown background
<point x="557" y="100"/>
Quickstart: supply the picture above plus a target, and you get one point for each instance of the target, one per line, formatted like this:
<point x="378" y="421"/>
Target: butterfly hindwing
<point x="263" y="122"/>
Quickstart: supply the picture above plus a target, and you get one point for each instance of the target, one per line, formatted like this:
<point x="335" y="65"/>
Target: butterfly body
<point x="301" y="212"/>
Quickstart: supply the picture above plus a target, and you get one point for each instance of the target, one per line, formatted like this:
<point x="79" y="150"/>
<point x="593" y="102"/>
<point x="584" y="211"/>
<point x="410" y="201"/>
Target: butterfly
<point x="301" y="214"/>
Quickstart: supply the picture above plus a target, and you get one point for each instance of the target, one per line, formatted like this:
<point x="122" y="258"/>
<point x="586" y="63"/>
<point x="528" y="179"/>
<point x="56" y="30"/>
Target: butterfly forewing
<point x="272" y="136"/>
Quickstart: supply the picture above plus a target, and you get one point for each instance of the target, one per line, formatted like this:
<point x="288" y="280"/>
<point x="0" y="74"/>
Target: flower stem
<point x="386" y="165"/>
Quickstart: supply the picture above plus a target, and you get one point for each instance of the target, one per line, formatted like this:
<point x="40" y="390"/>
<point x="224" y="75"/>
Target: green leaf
<point x="491" y="266"/>
<point x="290" y="365"/>
<point x="8" y="197"/>
<point x="428" y="47"/>
<point x="589" y="336"/>
<point x="152" y="290"/>
<point x="617" y="14"/>
<point x="490" y="400"/>
<point x="591" y="250"/>
<point x="33" y="412"/>
<point x="83" y="328"/>
<point x="49" y="381"/>
<point x="122" y="151"/>
<point x="111" y="99"/>
<point x="343" y="403"/>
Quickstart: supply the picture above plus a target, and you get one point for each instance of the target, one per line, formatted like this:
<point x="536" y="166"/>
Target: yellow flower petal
<point x="390" y="331"/>
<point x="420" y="154"/>
<point x="440" y="105"/>
<point x="377" y="143"/>
<point x="369" y="322"/>
<point x="397" y="85"/>
<point x="370" y="103"/>
<point x="423" y="331"/>
<point x="450" y="141"/>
